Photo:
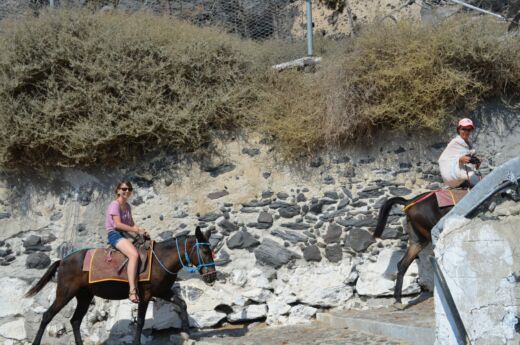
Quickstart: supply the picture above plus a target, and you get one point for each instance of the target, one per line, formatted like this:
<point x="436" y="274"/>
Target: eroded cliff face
<point x="291" y="238"/>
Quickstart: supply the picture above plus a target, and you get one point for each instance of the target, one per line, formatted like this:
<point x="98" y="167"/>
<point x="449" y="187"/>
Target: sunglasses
<point x="124" y="189"/>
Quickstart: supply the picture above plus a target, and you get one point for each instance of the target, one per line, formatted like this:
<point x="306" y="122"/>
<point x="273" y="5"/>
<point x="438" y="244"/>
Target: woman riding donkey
<point x="119" y="218"/>
<point x="458" y="163"/>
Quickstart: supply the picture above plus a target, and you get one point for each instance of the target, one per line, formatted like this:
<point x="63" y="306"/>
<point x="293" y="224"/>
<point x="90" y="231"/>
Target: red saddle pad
<point x="449" y="197"/>
<point x="103" y="265"/>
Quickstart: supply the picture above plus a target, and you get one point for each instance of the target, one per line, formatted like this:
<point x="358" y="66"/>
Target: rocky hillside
<point x="291" y="240"/>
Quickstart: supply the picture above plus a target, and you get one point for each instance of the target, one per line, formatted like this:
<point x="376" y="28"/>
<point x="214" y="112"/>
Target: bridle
<point x="188" y="266"/>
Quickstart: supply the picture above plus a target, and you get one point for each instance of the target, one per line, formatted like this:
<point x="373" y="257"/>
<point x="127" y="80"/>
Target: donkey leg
<point x="61" y="300"/>
<point x="402" y="266"/>
<point x="141" y="313"/>
<point x="84" y="298"/>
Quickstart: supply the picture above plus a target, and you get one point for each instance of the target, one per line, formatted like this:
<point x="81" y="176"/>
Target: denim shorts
<point x="114" y="237"/>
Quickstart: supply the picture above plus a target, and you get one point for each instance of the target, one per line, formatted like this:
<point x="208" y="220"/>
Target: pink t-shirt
<point x="114" y="210"/>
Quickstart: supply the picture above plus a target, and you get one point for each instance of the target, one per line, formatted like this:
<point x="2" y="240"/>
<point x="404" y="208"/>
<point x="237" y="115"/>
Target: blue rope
<point x="188" y="267"/>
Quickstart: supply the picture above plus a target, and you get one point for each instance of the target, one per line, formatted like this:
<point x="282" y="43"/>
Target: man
<point x="457" y="162"/>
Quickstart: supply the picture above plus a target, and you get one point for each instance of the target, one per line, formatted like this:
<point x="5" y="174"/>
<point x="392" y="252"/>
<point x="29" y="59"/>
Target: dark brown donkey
<point x="170" y="256"/>
<point x="421" y="218"/>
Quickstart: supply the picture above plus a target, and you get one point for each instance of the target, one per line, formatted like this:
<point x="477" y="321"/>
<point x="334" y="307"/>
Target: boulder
<point x="333" y="234"/>
<point x="312" y="253"/>
<point x="206" y="319"/>
<point x="359" y="239"/>
<point x="37" y="260"/>
<point x="249" y="313"/>
<point x="334" y="252"/>
<point x="378" y="278"/>
<point x="301" y="314"/>
<point x="273" y="254"/>
<point x="242" y="240"/>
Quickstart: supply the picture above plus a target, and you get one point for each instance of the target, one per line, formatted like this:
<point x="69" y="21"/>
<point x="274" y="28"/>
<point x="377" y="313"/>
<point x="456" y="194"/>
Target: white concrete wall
<point x="481" y="263"/>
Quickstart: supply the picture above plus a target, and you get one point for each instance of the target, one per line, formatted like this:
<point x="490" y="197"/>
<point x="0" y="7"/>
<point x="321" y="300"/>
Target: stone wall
<point x="480" y="264"/>
<point x="292" y="239"/>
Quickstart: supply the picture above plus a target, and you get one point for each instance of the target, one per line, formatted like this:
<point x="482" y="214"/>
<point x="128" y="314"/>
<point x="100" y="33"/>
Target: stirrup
<point x="133" y="296"/>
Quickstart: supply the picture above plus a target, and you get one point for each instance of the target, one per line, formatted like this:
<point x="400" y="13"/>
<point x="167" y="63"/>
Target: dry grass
<point x="396" y="77"/>
<point x="79" y="89"/>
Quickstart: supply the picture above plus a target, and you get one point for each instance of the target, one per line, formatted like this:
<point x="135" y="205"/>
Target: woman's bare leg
<point x="126" y="247"/>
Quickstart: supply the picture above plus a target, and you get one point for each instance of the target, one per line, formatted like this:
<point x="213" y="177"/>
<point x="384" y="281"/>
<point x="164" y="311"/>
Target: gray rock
<point x="210" y="217"/>
<point x="257" y="203"/>
<point x="85" y="195"/>
<point x="166" y="234"/>
<point x="316" y="162"/>
<point x="329" y="180"/>
<point x="330" y="216"/>
<point x="334" y="252"/>
<point x="267" y="194"/>
<point x="265" y="217"/>
<point x="278" y="204"/>
<point x="399" y="191"/>
<point x="270" y="253"/>
<point x="81" y="229"/>
<point x="249" y="210"/>
<point x="343" y="203"/>
<point x="5" y="215"/>
<point x="290" y="211"/>
<point x="37" y="261"/>
<point x="312" y="253"/>
<point x="227" y="225"/>
<point x="242" y="240"/>
<point x="262" y="226"/>
<point x="251" y="151"/>
<point x="316" y="207"/>
<point x="266" y="174"/>
<point x="333" y="234"/>
<point x="217" y="195"/>
<point x="32" y="241"/>
<point x="392" y="233"/>
<point x="56" y="216"/>
<point x="371" y="192"/>
<point x="359" y="239"/>
<point x="296" y="226"/>
<point x="358" y="223"/>
<point x="216" y="170"/>
<point x="301" y="198"/>
<point x="348" y="172"/>
<point x="289" y="235"/>
<point x="5" y="251"/>
<point x="341" y="160"/>
<point x="282" y="195"/>
<point x="137" y="201"/>
<point x="331" y="195"/>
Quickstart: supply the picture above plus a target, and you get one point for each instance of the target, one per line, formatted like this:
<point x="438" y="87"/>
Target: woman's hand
<point x="141" y="231"/>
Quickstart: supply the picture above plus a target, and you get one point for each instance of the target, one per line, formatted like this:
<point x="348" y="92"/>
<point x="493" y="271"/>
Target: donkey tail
<point x="383" y="214"/>
<point x="43" y="280"/>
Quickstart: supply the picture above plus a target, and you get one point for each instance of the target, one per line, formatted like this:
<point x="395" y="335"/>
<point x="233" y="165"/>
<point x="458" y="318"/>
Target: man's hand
<point x="464" y="159"/>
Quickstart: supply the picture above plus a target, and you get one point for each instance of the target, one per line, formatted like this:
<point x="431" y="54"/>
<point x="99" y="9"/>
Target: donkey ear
<point x="207" y="234"/>
<point x="199" y="235"/>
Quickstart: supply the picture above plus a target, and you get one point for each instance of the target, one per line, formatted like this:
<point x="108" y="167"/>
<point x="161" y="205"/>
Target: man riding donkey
<point x="458" y="163"/>
<point x="459" y="170"/>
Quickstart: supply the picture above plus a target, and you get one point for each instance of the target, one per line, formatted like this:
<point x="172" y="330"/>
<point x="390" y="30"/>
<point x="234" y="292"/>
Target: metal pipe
<point x="449" y="305"/>
<point x="479" y="9"/>
<point x="310" y="49"/>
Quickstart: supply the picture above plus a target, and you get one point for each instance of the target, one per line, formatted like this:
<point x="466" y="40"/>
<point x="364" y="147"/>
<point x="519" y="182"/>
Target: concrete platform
<point x="415" y="323"/>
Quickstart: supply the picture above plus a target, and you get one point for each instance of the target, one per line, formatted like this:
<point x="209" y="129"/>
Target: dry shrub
<point x="407" y="76"/>
<point x="79" y="89"/>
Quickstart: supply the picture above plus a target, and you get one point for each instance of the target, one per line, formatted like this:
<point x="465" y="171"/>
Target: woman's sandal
<point x="133" y="296"/>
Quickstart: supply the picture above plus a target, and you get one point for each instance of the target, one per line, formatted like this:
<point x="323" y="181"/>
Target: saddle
<point x="109" y="264"/>
<point x="449" y="197"/>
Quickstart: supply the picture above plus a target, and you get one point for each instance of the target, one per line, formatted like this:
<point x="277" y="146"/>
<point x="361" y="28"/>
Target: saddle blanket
<point x="449" y="197"/>
<point x="103" y="265"/>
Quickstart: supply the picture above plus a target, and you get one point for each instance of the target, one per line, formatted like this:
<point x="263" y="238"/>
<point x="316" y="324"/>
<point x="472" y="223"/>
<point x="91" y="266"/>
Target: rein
<point x="188" y="267"/>
<point x="418" y="201"/>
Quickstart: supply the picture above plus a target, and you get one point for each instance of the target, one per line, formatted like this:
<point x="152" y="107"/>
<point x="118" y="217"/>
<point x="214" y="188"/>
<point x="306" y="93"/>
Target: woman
<point x="119" y="218"/>
<point x="457" y="162"/>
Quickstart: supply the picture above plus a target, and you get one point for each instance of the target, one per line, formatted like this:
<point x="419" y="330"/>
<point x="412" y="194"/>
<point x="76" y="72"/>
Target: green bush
<point x="79" y="89"/>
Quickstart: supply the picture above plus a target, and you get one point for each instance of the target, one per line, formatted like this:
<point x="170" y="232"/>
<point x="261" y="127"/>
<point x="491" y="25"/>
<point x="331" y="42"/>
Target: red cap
<point x="466" y="123"/>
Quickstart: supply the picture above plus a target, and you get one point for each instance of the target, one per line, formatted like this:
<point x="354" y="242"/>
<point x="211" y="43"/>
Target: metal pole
<point x="51" y="3"/>
<point x="310" y="50"/>
<point x="479" y="9"/>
